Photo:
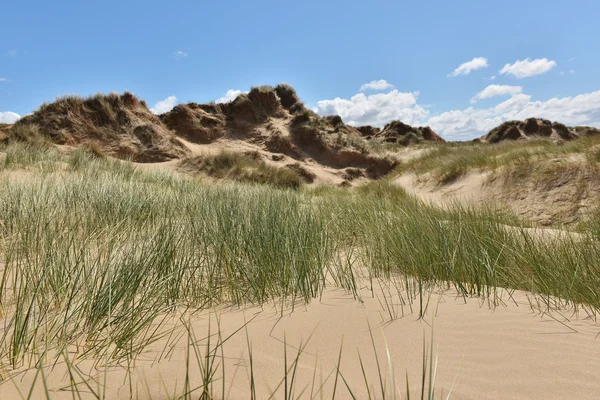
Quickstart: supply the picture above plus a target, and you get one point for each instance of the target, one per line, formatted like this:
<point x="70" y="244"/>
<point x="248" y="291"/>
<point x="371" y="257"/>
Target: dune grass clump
<point x="242" y="168"/>
<point x="475" y="251"/>
<point x="117" y="124"/>
<point x="37" y="155"/>
<point x="106" y="248"/>
<point x="29" y="134"/>
<point x="287" y="95"/>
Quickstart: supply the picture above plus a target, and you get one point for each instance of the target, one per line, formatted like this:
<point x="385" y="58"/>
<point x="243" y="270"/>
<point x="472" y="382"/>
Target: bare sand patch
<point x="509" y="351"/>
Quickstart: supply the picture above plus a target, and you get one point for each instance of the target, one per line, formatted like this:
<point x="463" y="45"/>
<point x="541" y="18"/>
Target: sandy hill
<point x="119" y="125"/>
<point x="271" y="123"/>
<point x="268" y="128"/>
<point x="274" y="122"/>
<point x="401" y="133"/>
<point x="537" y="128"/>
<point x="549" y="181"/>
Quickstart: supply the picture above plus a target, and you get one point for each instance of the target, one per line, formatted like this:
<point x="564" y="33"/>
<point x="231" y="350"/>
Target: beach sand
<point x="508" y="351"/>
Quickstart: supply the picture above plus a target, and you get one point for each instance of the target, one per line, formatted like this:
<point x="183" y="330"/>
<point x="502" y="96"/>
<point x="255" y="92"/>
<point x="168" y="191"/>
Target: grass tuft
<point x="243" y="168"/>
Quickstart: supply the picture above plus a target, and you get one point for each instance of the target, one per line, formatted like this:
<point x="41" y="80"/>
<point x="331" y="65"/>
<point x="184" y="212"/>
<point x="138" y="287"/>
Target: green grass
<point x="98" y="256"/>
<point x="161" y="240"/>
<point x="450" y="161"/>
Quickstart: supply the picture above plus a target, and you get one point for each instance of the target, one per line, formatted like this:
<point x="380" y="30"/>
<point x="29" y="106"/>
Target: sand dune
<point x="562" y="203"/>
<point x="507" y="347"/>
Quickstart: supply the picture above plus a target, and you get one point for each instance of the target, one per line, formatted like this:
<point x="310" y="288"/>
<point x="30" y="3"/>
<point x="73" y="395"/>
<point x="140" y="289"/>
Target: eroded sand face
<point x="503" y="352"/>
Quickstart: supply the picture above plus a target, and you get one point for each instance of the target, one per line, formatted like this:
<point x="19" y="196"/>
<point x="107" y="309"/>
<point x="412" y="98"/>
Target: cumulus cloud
<point x="9" y="117"/>
<point x="526" y="68"/>
<point x="179" y="54"/>
<point x="496" y="90"/>
<point x="377" y="109"/>
<point x="492" y="77"/>
<point x="381" y="108"/>
<point x="469" y="66"/>
<point x="230" y="96"/>
<point x="381" y="84"/>
<point x="165" y="105"/>
<point x="516" y="102"/>
<point x="583" y="109"/>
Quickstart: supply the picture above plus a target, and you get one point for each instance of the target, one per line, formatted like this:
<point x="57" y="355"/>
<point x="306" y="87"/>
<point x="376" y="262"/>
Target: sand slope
<point x="567" y="199"/>
<point x="504" y="352"/>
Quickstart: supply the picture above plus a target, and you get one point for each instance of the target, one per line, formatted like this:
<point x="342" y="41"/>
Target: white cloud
<point x="583" y="109"/>
<point x="179" y="54"/>
<point x="230" y="96"/>
<point x="377" y="109"/>
<point x="496" y="90"/>
<point x="526" y="68"/>
<point x="516" y="102"/>
<point x="381" y="84"/>
<point x="381" y="108"/>
<point x="572" y="71"/>
<point x="9" y="117"/>
<point x="12" y="53"/>
<point x="165" y="105"/>
<point x="571" y="59"/>
<point x="469" y="66"/>
<point x="3" y="79"/>
<point x="492" y="77"/>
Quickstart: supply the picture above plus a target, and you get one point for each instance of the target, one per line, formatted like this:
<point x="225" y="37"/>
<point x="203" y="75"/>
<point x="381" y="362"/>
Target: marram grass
<point x="96" y="253"/>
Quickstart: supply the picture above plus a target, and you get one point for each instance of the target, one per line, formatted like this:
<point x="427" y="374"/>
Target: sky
<point x="461" y="66"/>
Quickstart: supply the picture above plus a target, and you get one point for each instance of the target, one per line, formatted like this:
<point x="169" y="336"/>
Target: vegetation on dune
<point x="26" y="134"/>
<point x="533" y="128"/>
<point x="243" y="168"/>
<point x="96" y="254"/>
<point x="196" y="123"/>
<point x="273" y="118"/>
<point x="331" y="143"/>
<point x="119" y="124"/>
<point x="289" y="98"/>
<point x="95" y="257"/>
<point x="451" y="161"/>
<point x="168" y="240"/>
<point x="398" y="132"/>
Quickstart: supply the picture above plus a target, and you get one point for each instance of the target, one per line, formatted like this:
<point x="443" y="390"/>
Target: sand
<point x="510" y="351"/>
<point x="566" y="201"/>
<point x="324" y="175"/>
<point x="469" y="190"/>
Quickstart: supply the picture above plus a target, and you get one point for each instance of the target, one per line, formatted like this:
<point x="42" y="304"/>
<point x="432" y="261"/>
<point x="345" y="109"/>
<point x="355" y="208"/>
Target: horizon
<point x="443" y="65"/>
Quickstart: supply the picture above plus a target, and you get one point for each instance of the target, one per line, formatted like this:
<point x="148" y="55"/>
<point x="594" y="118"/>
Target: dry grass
<point x="242" y="168"/>
<point x="448" y="162"/>
<point x="119" y="124"/>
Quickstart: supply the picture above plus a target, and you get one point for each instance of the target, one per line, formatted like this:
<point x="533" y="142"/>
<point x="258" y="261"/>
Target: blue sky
<point x="198" y="51"/>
